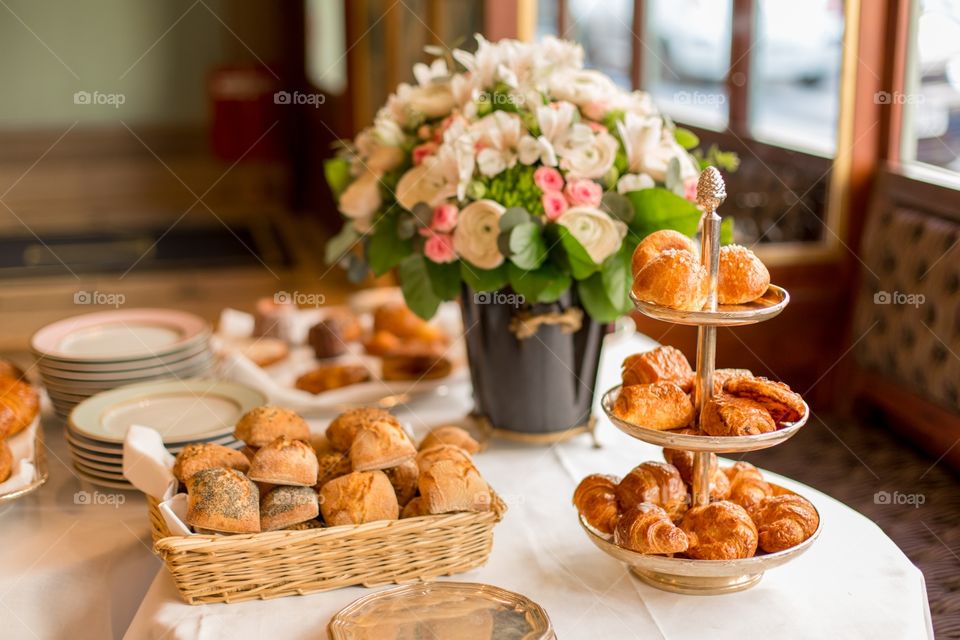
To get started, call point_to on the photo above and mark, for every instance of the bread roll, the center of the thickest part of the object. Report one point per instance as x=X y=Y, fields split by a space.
x=286 y=506
x=357 y=498
x=332 y=465
x=343 y=428
x=663 y=364
x=719 y=531
x=647 y=528
x=415 y=508
x=381 y=445
x=404 y=478
x=660 y=405
x=741 y=277
x=19 y=406
x=451 y=485
x=223 y=500
x=287 y=462
x=198 y=456
x=673 y=279
x=655 y=244
x=426 y=457
x=784 y=521
x=263 y=425
x=450 y=434
x=596 y=500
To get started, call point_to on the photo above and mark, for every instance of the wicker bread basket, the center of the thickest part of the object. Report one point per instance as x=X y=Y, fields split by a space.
x=275 y=564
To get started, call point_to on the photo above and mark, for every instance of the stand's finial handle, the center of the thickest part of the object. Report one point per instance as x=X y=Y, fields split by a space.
x=711 y=192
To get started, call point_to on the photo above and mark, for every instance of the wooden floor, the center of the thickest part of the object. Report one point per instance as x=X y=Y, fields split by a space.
x=855 y=460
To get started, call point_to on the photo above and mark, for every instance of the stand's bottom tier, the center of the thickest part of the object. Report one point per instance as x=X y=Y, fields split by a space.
x=697 y=585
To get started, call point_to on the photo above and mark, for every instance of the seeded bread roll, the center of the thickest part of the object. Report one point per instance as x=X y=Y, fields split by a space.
x=263 y=425
x=223 y=500
x=198 y=456
x=357 y=498
x=285 y=461
x=286 y=506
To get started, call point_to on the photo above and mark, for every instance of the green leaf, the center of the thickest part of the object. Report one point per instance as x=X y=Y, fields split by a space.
x=339 y=245
x=686 y=138
x=527 y=249
x=387 y=249
x=572 y=256
x=337 y=173
x=617 y=280
x=444 y=279
x=481 y=280
x=618 y=206
x=594 y=298
x=545 y=284
x=726 y=231
x=417 y=287
x=658 y=208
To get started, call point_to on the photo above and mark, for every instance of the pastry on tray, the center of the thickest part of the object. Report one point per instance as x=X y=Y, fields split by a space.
x=19 y=405
x=674 y=279
x=415 y=367
x=664 y=363
x=783 y=404
x=331 y=336
x=655 y=244
x=741 y=277
x=332 y=376
x=727 y=415
x=398 y=331
x=6 y=461
x=659 y=405
x=648 y=511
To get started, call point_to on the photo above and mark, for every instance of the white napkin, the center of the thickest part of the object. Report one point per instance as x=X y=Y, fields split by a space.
x=23 y=448
x=174 y=512
x=147 y=464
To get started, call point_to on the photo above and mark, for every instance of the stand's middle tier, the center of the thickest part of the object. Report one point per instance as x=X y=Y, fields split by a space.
x=763 y=308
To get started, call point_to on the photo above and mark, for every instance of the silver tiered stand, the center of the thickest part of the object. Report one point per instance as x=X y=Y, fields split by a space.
x=684 y=575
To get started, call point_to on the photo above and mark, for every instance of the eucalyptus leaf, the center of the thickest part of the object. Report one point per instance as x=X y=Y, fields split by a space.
x=481 y=280
x=357 y=269
x=339 y=245
x=512 y=217
x=527 y=249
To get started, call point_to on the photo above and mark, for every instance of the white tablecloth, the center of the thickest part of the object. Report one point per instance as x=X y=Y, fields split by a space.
x=78 y=571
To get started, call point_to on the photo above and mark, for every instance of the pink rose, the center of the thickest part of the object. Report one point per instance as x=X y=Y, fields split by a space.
x=421 y=151
x=595 y=110
x=583 y=193
x=439 y=248
x=690 y=189
x=444 y=218
x=554 y=204
x=596 y=127
x=548 y=179
x=424 y=132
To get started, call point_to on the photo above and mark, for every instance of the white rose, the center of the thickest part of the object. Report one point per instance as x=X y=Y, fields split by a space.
x=599 y=234
x=424 y=183
x=475 y=238
x=583 y=87
x=634 y=182
x=434 y=100
x=361 y=199
x=594 y=160
x=656 y=160
x=384 y=159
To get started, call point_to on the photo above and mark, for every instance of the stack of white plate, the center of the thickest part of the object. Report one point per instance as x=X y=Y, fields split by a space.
x=182 y=411
x=84 y=355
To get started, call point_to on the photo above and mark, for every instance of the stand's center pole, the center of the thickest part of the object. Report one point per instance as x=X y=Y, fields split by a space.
x=710 y=193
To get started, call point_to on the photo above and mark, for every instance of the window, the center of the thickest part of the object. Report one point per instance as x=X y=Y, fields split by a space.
x=931 y=96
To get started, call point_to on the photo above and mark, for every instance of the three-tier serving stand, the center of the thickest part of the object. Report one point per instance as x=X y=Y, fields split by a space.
x=684 y=575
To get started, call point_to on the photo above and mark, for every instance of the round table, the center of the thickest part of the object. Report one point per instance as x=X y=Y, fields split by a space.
x=79 y=565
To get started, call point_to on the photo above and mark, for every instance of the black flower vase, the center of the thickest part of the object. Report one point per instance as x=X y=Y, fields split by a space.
x=539 y=385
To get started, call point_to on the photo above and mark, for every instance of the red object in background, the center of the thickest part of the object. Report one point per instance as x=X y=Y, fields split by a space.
x=242 y=109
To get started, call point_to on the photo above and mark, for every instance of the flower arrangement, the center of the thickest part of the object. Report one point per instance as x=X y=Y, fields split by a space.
x=513 y=166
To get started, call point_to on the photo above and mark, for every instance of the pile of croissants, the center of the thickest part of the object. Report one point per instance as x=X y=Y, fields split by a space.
x=649 y=511
x=19 y=405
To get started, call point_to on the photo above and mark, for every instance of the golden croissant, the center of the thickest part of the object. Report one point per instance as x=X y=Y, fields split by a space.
x=719 y=531
x=747 y=486
x=648 y=529
x=658 y=483
x=596 y=500
x=784 y=521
